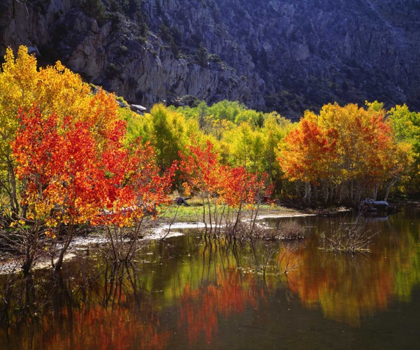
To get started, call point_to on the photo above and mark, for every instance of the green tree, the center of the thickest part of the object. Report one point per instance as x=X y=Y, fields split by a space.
x=202 y=56
x=166 y=129
x=93 y=8
x=407 y=129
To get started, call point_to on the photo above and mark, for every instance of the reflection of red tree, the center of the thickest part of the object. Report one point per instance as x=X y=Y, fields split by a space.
x=99 y=327
x=200 y=308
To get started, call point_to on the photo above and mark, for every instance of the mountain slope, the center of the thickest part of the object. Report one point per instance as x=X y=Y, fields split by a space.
x=279 y=55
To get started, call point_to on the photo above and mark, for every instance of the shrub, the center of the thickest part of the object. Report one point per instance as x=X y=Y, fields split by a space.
x=348 y=238
x=93 y=8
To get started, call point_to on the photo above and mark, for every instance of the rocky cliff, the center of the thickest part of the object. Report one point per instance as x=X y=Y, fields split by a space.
x=284 y=55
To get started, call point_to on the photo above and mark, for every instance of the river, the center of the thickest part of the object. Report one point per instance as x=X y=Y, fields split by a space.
x=192 y=293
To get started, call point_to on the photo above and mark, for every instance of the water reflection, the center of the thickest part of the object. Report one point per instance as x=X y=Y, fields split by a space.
x=103 y=309
x=201 y=308
x=181 y=293
x=348 y=287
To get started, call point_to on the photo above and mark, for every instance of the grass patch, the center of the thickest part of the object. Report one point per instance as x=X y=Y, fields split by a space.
x=194 y=213
x=183 y=213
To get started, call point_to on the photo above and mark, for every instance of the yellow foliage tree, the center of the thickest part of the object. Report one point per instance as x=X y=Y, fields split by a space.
x=54 y=89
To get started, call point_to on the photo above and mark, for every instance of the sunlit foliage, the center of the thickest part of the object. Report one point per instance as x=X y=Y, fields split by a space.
x=407 y=130
x=344 y=153
x=341 y=154
x=52 y=90
x=65 y=159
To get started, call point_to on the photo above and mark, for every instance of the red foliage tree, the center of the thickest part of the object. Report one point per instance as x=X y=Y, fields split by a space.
x=70 y=179
x=219 y=184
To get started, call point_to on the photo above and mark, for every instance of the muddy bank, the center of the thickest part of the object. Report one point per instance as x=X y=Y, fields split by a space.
x=80 y=246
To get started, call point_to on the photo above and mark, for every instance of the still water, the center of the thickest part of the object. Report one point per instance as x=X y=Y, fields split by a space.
x=187 y=293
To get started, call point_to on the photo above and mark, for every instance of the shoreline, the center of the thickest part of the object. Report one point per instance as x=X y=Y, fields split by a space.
x=95 y=241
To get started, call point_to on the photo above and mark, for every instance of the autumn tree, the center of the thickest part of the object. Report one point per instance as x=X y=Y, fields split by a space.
x=307 y=155
x=70 y=178
x=241 y=136
x=203 y=173
x=220 y=187
x=54 y=89
x=135 y=188
x=168 y=131
x=347 y=152
x=406 y=125
x=59 y=166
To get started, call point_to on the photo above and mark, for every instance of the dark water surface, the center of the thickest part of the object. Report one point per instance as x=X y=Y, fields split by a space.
x=189 y=294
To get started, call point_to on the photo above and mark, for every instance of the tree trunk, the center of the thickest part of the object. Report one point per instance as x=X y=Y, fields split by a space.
x=307 y=197
x=12 y=182
x=59 y=263
x=326 y=194
x=375 y=191
x=388 y=190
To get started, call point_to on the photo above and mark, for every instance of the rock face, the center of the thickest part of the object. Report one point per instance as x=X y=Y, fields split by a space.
x=283 y=55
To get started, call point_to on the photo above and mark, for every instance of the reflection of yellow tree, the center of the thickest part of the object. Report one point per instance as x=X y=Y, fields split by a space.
x=350 y=287
x=407 y=261
x=204 y=260
x=209 y=286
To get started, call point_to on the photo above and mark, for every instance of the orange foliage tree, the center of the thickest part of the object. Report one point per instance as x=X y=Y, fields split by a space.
x=309 y=154
x=344 y=153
